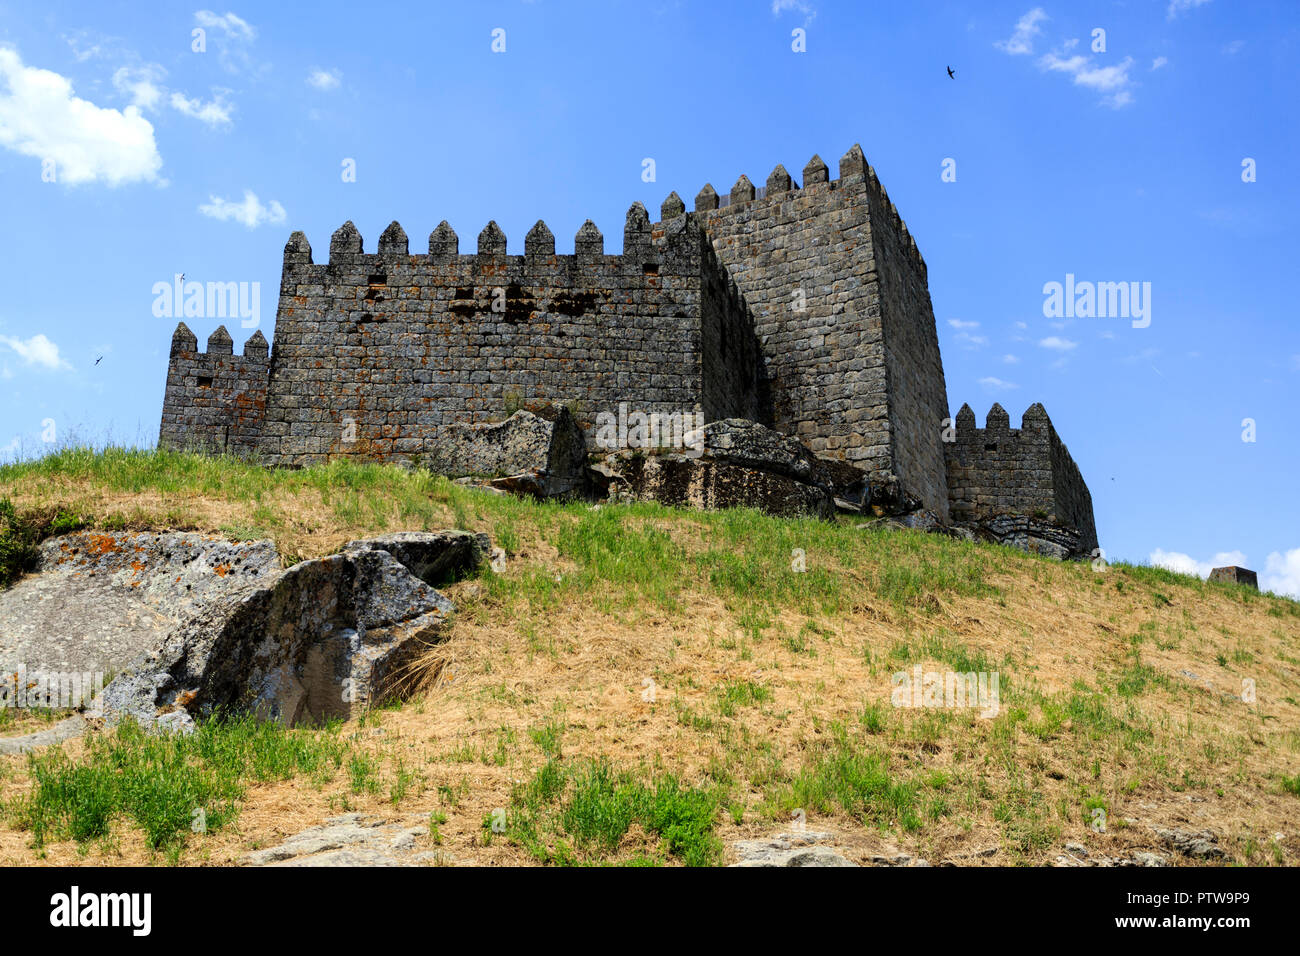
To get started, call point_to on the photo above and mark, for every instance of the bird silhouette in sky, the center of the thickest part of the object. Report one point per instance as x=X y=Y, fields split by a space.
x=98 y=360
x=951 y=74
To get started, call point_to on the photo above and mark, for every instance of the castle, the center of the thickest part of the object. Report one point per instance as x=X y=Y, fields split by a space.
x=805 y=308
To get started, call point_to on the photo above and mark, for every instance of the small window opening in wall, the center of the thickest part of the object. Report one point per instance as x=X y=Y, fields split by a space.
x=205 y=381
x=650 y=268
x=377 y=278
x=992 y=447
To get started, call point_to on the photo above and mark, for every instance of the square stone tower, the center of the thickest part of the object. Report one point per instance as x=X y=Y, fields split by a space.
x=841 y=307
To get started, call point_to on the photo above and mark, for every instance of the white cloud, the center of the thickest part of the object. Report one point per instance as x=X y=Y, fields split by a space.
x=215 y=112
x=38 y=350
x=1158 y=62
x=40 y=117
x=1011 y=359
x=1282 y=573
x=1057 y=343
x=1182 y=6
x=997 y=384
x=141 y=84
x=1233 y=48
x=1022 y=325
x=229 y=24
x=82 y=47
x=959 y=324
x=232 y=37
x=324 y=80
x=1112 y=81
x=1022 y=40
x=798 y=6
x=1186 y=564
x=250 y=212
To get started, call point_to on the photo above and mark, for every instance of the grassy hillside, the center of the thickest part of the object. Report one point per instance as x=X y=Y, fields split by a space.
x=643 y=684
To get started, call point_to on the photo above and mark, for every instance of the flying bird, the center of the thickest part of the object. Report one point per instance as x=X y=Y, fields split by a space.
x=98 y=360
x=951 y=74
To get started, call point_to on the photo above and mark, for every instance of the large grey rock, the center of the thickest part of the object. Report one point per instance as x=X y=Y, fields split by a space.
x=432 y=556
x=547 y=447
x=1032 y=535
x=322 y=639
x=889 y=498
x=788 y=849
x=98 y=599
x=703 y=483
x=66 y=729
x=1202 y=845
x=352 y=839
x=736 y=441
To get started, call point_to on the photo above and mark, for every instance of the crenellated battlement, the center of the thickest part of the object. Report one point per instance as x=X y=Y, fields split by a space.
x=220 y=345
x=854 y=171
x=215 y=400
x=998 y=470
x=642 y=245
x=998 y=423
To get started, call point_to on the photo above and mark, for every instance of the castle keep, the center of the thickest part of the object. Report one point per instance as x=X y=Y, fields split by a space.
x=803 y=307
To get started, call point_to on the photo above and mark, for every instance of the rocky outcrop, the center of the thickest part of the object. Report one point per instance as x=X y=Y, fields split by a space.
x=543 y=453
x=735 y=463
x=66 y=729
x=1031 y=535
x=319 y=640
x=1203 y=845
x=98 y=599
x=735 y=441
x=889 y=498
x=789 y=849
x=353 y=839
x=683 y=481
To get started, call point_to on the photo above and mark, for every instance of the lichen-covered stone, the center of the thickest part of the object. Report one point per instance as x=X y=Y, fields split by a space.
x=97 y=599
x=703 y=483
x=548 y=446
x=322 y=639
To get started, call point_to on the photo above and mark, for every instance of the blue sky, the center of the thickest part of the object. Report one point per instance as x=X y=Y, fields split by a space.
x=1114 y=164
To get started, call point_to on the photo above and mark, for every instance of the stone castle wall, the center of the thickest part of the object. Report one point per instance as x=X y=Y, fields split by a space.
x=215 y=400
x=376 y=352
x=998 y=470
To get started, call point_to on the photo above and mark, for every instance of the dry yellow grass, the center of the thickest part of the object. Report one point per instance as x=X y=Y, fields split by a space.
x=1121 y=689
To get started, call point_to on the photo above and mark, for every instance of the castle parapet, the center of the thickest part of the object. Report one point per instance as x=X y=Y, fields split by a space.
x=854 y=170
x=215 y=400
x=997 y=470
